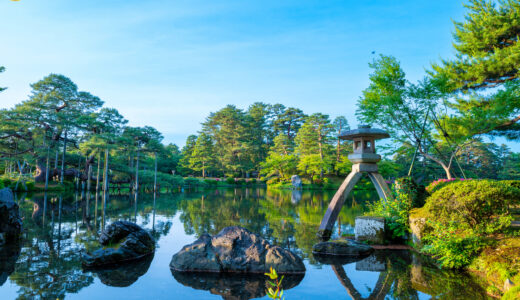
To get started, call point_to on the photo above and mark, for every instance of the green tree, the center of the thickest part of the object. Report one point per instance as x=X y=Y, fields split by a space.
x=413 y=113
x=186 y=153
x=286 y=120
x=487 y=56
x=203 y=155
x=313 y=139
x=228 y=129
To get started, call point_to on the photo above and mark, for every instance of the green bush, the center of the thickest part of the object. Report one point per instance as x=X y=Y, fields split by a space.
x=211 y=182
x=410 y=191
x=440 y=183
x=451 y=246
x=230 y=180
x=513 y=183
x=192 y=181
x=30 y=185
x=473 y=203
x=252 y=181
x=240 y=182
x=396 y=211
x=1 y=185
x=6 y=181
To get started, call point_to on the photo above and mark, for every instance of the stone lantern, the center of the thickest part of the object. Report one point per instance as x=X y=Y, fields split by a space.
x=364 y=160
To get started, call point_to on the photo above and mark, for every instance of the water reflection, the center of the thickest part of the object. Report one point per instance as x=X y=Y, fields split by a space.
x=403 y=274
x=125 y=275
x=57 y=227
x=8 y=257
x=233 y=286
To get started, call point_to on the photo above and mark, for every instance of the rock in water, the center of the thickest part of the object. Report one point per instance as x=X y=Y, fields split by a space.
x=123 y=241
x=296 y=182
x=342 y=248
x=10 y=221
x=235 y=249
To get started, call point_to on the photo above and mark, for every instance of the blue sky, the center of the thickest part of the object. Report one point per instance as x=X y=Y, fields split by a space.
x=169 y=64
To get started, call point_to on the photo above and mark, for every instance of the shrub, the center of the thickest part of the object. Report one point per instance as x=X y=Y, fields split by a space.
x=440 y=183
x=408 y=190
x=252 y=181
x=192 y=181
x=396 y=211
x=30 y=185
x=451 y=246
x=230 y=180
x=240 y=181
x=474 y=203
x=211 y=182
x=1 y=185
x=6 y=181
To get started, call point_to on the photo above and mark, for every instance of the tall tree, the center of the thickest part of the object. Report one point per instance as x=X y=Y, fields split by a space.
x=413 y=113
x=203 y=155
x=186 y=153
x=313 y=139
x=287 y=120
x=487 y=57
x=228 y=129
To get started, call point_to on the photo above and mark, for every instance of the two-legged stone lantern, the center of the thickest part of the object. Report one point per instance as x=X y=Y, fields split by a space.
x=365 y=161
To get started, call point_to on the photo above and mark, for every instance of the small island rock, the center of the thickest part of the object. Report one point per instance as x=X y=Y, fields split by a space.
x=235 y=249
x=123 y=241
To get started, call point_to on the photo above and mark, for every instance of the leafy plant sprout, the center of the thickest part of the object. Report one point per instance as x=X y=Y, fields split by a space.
x=275 y=290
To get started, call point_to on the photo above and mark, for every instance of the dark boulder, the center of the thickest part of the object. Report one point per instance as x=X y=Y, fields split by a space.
x=123 y=241
x=235 y=249
x=342 y=248
x=10 y=221
x=234 y=286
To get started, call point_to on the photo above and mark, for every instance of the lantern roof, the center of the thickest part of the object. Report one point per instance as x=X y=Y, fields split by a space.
x=364 y=131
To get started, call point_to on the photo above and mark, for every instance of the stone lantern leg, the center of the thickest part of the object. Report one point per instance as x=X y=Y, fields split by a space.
x=365 y=160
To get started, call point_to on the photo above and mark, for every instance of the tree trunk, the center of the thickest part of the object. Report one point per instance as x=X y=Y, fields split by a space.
x=63 y=157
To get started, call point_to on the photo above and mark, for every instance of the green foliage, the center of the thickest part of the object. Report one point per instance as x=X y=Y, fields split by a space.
x=486 y=45
x=440 y=183
x=193 y=182
x=203 y=155
x=452 y=247
x=211 y=182
x=408 y=190
x=487 y=50
x=230 y=180
x=279 y=165
x=410 y=112
x=476 y=204
x=396 y=210
x=465 y=214
x=275 y=290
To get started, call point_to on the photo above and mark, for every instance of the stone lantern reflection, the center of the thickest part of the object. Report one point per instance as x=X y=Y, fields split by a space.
x=364 y=160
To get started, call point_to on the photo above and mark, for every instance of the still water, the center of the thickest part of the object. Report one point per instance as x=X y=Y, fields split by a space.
x=57 y=228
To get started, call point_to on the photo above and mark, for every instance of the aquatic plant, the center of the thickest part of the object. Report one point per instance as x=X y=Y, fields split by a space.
x=275 y=290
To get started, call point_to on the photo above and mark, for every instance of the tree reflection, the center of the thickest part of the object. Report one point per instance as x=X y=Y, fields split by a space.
x=402 y=275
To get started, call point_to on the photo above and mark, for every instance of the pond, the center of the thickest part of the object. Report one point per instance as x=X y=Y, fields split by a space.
x=47 y=263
